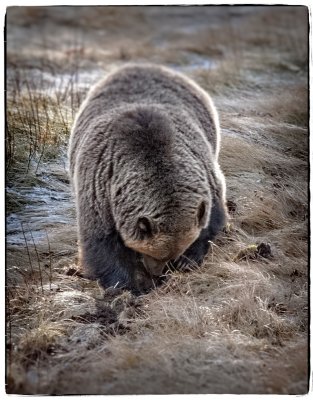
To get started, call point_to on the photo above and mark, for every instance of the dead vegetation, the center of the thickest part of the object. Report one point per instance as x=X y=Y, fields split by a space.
x=239 y=324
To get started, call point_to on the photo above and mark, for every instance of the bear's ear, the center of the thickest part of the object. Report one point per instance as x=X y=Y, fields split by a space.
x=146 y=227
x=202 y=214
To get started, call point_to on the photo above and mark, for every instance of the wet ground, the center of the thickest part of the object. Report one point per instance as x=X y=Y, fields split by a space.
x=49 y=204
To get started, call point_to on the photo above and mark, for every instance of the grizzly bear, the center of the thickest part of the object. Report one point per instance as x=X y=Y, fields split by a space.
x=144 y=169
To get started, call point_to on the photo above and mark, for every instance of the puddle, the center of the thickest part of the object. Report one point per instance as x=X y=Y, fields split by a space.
x=196 y=61
x=80 y=80
x=45 y=207
x=51 y=83
x=201 y=62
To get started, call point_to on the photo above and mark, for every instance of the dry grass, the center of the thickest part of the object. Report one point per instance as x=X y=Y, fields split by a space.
x=239 y=324
x=38 y=118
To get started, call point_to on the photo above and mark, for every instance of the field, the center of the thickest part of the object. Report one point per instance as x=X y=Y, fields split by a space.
x=238 y=324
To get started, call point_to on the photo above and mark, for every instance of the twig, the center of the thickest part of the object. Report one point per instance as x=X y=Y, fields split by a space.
x=50 y=260
x=40 y=272
x=28 y=253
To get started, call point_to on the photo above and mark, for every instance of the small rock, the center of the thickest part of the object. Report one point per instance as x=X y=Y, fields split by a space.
x=231 y=206
x=264 y=250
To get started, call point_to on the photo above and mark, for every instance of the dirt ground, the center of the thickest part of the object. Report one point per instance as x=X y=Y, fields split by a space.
x=238 y=324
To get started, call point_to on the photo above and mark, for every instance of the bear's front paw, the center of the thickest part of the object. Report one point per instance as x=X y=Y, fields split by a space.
x=145 y=282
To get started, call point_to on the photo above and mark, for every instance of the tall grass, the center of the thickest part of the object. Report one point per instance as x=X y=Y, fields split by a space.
x=41 y=104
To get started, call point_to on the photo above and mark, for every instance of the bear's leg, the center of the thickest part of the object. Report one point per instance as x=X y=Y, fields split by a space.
x=195 y=254
x=113 y=264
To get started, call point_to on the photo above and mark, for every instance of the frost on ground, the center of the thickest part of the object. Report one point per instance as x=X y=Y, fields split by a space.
x=239 y=324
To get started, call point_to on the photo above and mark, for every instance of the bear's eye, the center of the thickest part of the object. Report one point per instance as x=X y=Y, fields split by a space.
x=201 y=213
x=145 y=227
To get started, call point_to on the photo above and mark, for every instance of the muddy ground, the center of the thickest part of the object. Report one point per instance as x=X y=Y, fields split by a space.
x=239 y=324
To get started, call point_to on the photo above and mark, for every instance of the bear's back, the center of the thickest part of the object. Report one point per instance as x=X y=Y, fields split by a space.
x=155 y=86
x=141 y=95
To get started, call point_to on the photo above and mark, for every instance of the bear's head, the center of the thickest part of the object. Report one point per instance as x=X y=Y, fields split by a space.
x=167 y=235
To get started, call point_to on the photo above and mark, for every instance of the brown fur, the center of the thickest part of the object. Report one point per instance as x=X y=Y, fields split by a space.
x=144 y=147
